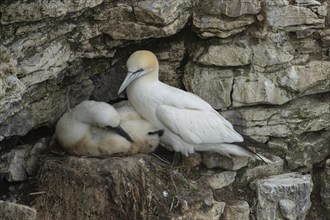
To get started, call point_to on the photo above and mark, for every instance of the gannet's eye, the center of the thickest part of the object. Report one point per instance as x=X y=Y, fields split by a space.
x=139 y=71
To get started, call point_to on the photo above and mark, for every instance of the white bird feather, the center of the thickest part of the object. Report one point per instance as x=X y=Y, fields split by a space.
x=190 y=123
x=83 y=130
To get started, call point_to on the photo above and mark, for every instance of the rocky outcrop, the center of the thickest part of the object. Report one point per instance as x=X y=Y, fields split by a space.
x=263 y=63
x=13 y=211
x=120 y=188
x=285 y=196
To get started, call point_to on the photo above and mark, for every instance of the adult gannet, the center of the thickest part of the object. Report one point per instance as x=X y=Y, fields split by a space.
x=190 y=123
x=93 y=129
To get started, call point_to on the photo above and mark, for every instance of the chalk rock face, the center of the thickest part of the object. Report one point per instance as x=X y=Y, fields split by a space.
x=285 y=196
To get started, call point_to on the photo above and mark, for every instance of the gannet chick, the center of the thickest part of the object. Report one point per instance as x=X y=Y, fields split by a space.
x=145 y=136
x=190 y=123
x=92 y=129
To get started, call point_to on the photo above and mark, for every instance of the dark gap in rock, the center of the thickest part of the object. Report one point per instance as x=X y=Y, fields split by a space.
x=30 y=138
x=317 y=210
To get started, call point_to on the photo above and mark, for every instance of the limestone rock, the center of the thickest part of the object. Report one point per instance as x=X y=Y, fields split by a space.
x=257 y=88
x=20 y=11
x=212 y=26
x=254 y=172
x=285 y=196
x=307 y=3
x=313 y=77
x=144 y=19
x=292 y=18
x=233 y=8
x=22 y=161
x=287 y=208
x=203 y=207
x=325 y=186
x=211 y=84
x=306 y=114
x=219 y=180
x=223 y=55
x=13 y=211
x=46 y=109
x=13 y=164
x=307 y=149
x=215 y=160
x=33 y=156
x=46 y=64
x=170 y=56
x=237 y=210
x=269 y=54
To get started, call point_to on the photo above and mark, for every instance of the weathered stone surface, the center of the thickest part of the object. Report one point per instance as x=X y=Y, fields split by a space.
x=22 y=161
x=267 y=54
x=46 y=64
x=307 y=149
x=203 y=207
x=307 y=3
x=170 y=56
x=313 y=77
x=285 y=196
x=211 y=84
x=233 y=8
x=257 y=88
x=254 y=172
x=214 y=160
x=219 y=180
x=237 y=210
x=33 y=156
x=47 y=108
x=287 y=208
x=20 y=11
x=13 y=211
x=292 y=18
x=211 y=26
x=144 y=19
x=223 y=55
x=13 y=164
x=325 y=186
x=306 y=114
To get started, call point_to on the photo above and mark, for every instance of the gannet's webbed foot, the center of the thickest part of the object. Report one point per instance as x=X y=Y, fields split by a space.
x=158 y=132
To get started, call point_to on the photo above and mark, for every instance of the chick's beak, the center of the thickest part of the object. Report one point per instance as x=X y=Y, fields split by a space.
x=120 y=131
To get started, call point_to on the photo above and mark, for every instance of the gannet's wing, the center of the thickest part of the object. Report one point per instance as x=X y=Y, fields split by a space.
x=198 y=126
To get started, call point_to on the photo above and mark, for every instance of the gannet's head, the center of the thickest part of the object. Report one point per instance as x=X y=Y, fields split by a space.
x=141 y=62
x=100 y=114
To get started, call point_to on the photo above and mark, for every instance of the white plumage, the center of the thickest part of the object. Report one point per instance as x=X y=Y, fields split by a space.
x=91 y=129
x=190 y=123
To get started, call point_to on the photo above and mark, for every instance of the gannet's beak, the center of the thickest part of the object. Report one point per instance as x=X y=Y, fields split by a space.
x=131 y=76
x=120 y=131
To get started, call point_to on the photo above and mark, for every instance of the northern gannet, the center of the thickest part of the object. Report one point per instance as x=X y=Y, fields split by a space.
x=190 y=123
x=93 y=129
